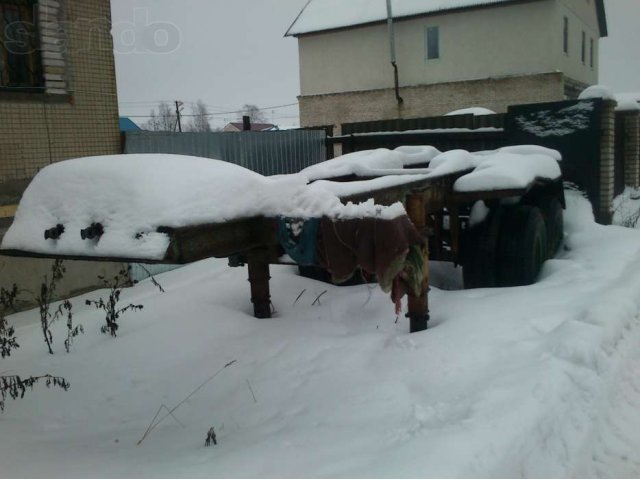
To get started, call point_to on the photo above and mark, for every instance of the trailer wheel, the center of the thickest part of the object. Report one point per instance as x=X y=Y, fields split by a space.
x=552 y=212
x=479 y=253
x=522 y=246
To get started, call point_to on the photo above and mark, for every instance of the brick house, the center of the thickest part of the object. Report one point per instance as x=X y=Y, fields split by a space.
x=58 y=100
x=449 y=54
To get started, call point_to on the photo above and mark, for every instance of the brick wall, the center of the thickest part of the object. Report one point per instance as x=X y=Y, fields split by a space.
x=429 y=100
x=78 y=113
x=607 y=163
x=573 y=88
x=632 y=149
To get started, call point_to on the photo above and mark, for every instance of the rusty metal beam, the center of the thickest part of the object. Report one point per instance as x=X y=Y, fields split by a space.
x=26 y=254
x=220 y=240
x=258 y=267
x=189 y=244
x=418 y=305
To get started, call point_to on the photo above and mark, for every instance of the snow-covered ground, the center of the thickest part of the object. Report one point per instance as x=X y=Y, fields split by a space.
x=530 y=381
x=626 y=208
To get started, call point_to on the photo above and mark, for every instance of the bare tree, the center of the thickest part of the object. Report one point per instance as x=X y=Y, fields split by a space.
x=164 y=121
x=256 y=115
x=200 y=119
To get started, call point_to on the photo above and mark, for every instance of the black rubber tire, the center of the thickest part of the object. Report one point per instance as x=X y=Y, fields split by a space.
x=522 y=246
x=552 y=213
x=479 y=253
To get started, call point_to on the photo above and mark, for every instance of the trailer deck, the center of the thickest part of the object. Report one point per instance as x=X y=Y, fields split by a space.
x=436 y=210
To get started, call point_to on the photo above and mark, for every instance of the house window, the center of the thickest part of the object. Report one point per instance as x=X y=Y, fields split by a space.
x=591 y=52
x=583 y=52
x=432 y=46
x=565 y=35
x=19 y=59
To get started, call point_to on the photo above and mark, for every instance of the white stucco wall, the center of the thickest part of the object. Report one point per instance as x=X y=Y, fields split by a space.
x=518 y=39
x=582 y=17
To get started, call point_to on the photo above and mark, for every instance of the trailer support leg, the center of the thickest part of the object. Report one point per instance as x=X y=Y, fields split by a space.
x=258 y=266
x=418 y=312
x=419 y=306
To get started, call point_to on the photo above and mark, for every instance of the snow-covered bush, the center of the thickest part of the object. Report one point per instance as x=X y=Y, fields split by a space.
x=14 y=386
x=44 y=300
x=626 y=208
x=7 y=332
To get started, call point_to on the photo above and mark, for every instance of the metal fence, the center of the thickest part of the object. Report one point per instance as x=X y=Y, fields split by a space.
x=468 y=121
x=268 y=153
x=139 y=272
x=573 y=128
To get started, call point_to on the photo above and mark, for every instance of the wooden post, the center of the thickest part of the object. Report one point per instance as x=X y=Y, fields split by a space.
x=258 y=266
x=419 y=306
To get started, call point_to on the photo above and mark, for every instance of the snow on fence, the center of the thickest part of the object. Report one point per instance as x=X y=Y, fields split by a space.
x=268 y=153
x=468 y=121
x=460 y=131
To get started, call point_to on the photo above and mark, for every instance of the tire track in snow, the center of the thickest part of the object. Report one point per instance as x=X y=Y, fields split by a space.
x=614 y=451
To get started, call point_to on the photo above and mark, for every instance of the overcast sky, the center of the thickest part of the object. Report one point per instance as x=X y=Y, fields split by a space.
x=232 y=52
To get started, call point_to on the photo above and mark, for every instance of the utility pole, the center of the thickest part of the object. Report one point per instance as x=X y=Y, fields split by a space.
x=178 y=115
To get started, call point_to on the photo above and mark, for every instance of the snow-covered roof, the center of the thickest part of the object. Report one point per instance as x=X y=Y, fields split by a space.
x=319 y=15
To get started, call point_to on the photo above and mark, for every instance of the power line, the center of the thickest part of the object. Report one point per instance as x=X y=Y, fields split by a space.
x=102 y=93
x=217 y=114
x=142 y=103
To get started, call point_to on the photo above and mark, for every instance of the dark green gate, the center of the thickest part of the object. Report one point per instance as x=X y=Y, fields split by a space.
x=572 y=128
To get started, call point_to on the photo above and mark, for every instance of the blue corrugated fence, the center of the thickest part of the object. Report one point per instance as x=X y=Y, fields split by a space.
x=268 y=153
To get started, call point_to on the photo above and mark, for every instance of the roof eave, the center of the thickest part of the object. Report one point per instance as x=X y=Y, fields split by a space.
x=406 y=17
x=600 y=11
x=287 y=34
x=602 y=18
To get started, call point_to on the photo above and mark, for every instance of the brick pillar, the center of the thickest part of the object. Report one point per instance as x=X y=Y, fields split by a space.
x=607 y=152
x=632 y=149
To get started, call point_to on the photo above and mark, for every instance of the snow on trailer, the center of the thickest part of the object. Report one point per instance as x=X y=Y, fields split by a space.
x=369 y=211
x=137 y=199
